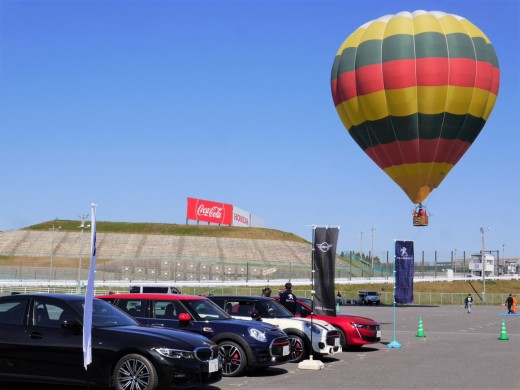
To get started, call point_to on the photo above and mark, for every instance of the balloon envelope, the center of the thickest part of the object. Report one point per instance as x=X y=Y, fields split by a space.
x=414 y=90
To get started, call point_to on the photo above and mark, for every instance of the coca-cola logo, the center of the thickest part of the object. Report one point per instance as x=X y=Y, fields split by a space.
x=213 y=212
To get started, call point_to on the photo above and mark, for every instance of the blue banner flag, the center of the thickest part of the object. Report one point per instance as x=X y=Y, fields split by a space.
x=89 y=296
x=404 y=269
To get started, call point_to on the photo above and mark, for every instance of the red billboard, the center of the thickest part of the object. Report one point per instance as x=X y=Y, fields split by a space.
x=209 y=211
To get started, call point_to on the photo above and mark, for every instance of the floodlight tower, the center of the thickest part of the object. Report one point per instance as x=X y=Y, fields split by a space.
x=82 y=226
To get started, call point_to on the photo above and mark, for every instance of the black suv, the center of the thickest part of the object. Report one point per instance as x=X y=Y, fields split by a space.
x=243 y=344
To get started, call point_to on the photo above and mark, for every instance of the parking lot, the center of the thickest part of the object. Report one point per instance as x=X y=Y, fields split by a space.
x=460 y=351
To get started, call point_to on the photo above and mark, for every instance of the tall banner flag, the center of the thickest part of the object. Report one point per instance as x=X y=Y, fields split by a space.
x=325 y=241
x=89 y=296
x=404 y=268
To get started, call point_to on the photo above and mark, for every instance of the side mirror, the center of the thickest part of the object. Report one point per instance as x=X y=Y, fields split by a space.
x=184 y=317
x=305 y=313
x=256 y=316
x=70 y=324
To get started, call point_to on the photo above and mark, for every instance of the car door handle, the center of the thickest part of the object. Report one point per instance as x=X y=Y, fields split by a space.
x=36 y=335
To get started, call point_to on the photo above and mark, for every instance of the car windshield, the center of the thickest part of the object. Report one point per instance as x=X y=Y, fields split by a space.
x=204 y=309
x=104 y=314
x=272 y=309
x=372 y=293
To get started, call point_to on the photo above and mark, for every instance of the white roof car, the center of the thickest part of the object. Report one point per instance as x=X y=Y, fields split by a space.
x=302 y=332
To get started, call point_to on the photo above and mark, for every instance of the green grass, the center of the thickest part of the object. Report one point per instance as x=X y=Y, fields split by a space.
x=173 y=229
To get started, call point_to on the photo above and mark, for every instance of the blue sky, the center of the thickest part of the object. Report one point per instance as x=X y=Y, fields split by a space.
x=137 y=105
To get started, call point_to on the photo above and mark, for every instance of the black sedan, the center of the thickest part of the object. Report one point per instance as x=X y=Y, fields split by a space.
x=41 y=340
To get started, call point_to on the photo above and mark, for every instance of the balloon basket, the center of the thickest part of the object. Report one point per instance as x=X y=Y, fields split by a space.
x=420 y=220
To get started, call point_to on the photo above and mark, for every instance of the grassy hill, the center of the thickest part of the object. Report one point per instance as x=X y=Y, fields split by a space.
x=173 y=229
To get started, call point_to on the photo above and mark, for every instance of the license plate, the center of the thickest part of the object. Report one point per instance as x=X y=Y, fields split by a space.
x=213 y=365
x=336 y=342
x=378 y=334
x=285 y=350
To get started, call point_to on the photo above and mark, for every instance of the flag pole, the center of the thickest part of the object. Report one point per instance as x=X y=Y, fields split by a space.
x=312 y=364
x=89 y=296
x=394 y=343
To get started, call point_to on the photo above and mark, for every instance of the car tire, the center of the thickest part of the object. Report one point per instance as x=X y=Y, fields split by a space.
x=342 y=338
x=135 y=371
x=234 y=359
x=297 y=350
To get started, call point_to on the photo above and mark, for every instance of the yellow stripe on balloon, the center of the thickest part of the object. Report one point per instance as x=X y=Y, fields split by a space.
x=373 y=31
x=473 y=31
x=409 y=101
x=431 y=100
x=352 y=41
x=418 y=180
x=426 y=23
x=399 y=25
x=489 y=106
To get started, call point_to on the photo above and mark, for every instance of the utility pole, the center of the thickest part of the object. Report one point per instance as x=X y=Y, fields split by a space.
x=372 y=233
x=483 y=257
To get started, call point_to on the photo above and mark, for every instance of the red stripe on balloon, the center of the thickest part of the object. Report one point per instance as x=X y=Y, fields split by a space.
x=425 y=72
x=418 y=151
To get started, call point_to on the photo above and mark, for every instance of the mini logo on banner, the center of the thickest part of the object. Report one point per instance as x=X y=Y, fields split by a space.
x=324 y=247
x=325 y=241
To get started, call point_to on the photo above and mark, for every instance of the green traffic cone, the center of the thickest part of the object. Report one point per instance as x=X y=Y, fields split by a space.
x=420 y=330
x=503 y=333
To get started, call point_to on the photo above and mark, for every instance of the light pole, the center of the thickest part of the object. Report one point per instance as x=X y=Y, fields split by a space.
x=52 y=229
x=503 y=258
x=455 y=261
x=372 y=234
x=361 y=246
x=483 y=257
x=82 y=226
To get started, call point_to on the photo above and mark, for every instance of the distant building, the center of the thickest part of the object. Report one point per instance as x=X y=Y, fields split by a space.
x=475 y=265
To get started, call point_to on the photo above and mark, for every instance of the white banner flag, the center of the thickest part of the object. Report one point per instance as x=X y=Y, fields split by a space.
x=89 y=296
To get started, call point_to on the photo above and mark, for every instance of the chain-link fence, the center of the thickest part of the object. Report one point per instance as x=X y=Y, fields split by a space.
x=163 y=268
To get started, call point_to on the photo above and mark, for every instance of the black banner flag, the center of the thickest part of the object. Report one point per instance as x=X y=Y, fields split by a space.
x=404 y=268
x=325 y=241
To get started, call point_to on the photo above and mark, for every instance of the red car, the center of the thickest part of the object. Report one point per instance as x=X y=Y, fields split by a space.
x=354 y=331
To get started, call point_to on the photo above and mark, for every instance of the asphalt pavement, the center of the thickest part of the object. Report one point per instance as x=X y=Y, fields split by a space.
x=460 y=350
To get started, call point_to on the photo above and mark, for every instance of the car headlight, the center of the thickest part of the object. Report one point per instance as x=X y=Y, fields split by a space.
x=313 y=328
x=175 y=353
x=257 y=334
x=359 y=325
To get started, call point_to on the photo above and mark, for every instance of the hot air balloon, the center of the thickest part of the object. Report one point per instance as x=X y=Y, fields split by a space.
x=414 y=90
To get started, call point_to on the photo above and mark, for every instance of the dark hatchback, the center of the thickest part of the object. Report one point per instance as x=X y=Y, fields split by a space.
x=41 y=340
x=243 y=344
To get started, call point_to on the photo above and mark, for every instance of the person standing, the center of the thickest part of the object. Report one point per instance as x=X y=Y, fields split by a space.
x=469 y=302
x=514 y=304
x=288 y=299
x=509 y=303
x=266 y=292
